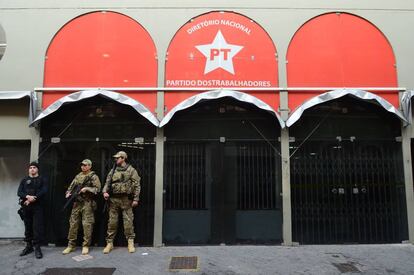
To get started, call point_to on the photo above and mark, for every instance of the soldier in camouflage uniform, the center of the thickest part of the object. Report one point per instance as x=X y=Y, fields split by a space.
x=122 y=188
x=83 y=207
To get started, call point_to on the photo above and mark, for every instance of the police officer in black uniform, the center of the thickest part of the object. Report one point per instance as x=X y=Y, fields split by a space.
x=32 y=192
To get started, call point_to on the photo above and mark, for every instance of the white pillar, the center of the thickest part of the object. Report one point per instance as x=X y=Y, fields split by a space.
x=159 y=174
x=408 y=179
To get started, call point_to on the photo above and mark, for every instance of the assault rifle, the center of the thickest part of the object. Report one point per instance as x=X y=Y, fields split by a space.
x=76 y=191
x=109 y=190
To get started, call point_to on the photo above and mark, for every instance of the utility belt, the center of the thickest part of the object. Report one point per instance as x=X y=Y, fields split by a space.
x=85 y=197
x=123 y=195
x=81 y=200
x=120 y=195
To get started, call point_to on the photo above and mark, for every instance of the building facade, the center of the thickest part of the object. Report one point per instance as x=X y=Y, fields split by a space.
x=253 y=123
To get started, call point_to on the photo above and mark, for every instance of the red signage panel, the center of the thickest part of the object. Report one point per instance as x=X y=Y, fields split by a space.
x=102 y=49
x=340 y=50
x=221 y=49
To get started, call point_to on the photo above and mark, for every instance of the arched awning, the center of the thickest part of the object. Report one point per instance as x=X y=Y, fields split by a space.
x=406 y=105
x=216 y=94
x=78 y=96
x=332 y=95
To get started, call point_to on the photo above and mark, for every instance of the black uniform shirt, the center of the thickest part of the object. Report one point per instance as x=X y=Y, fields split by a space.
x=36 y=186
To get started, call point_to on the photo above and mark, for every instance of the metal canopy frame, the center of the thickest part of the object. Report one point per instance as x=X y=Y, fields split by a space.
x=216 y=94
x=335 y=94
x=81 y=95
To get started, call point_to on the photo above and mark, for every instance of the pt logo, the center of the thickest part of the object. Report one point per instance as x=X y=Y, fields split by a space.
x=219 y=54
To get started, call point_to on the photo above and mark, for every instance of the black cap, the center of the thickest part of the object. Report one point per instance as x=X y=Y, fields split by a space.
x=34 y=163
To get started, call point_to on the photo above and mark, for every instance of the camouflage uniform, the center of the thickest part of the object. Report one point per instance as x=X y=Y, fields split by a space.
x=125 y=188
x=83 y=208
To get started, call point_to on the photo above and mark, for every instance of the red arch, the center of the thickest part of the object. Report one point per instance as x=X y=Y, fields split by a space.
x=102 y=49
x=256 y=61
x=340 y=50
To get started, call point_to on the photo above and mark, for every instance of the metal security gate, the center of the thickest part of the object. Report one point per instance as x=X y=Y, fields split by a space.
x=222 y=175
x=347 y=180
x=221 y=192
x=95 y=132
x=61 y=164
x=348 y=192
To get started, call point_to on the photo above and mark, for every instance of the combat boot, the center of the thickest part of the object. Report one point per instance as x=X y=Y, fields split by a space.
x=85 y=250
x=38 y=252
x=131 y=247
x=27 y=250
x=108 y=248
x=68 y=250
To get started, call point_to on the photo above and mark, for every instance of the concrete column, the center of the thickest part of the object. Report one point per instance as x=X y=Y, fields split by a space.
x=286 y=198
x=35 y=131
x=284 y=147
x=34 y=143
x=408 y=178
x=159 y=174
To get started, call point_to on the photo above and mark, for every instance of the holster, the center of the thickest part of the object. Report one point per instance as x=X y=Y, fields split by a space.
x=21 y=212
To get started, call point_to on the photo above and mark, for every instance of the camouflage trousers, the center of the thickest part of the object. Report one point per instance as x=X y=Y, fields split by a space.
x=82 y=211
x=115 y=206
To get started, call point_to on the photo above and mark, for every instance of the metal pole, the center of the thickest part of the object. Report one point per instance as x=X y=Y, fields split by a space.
x=186 y=89
x=408 y=178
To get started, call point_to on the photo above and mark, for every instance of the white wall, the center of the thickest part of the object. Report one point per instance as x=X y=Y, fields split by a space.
x=14 y=119
x=14 y=158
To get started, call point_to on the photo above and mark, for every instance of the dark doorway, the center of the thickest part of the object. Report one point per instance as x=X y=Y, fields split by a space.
x=96 y=128
x=222 y=175
x=347 y=177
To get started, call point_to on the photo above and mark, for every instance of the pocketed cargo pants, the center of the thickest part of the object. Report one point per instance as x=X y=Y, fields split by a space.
x=122 y=203
x=82 y=212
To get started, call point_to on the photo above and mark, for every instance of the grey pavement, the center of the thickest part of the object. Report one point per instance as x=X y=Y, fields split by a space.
x=306 y=259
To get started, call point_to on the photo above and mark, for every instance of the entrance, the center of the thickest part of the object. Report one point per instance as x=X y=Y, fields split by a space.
x=97 y=130
x=222 y=176
x=347 y=178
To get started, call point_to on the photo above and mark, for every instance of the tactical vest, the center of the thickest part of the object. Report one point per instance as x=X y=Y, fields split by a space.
x=87 y=195
x=121 y=183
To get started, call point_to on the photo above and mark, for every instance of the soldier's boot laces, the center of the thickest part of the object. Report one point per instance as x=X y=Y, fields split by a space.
x=108 y=248
x=38 y=252
x=27 y=250
x=85 y=250
x=131 y=247
x=68 y=250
